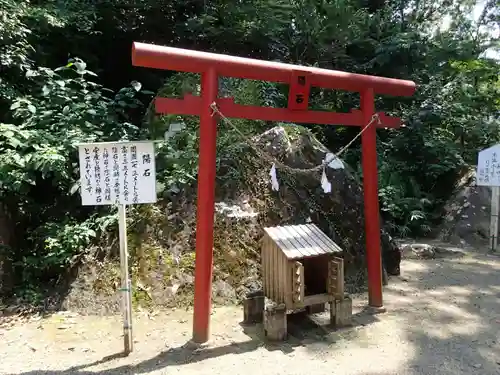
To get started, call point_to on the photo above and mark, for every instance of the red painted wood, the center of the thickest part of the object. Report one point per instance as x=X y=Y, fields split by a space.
x=191 y=105
x=205 y=209
x=184 y=60
x=372 y=212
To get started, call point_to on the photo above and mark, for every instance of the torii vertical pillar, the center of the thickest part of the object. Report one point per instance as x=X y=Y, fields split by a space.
x=372 y=213
x=205 y=208
x=300 y=79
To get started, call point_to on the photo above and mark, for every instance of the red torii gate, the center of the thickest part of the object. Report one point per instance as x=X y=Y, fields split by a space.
x=300 y=78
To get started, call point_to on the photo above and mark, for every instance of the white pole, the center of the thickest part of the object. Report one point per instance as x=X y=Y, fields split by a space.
x=495 y=195
x=126 y=285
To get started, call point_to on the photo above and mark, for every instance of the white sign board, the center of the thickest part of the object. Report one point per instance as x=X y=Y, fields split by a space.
x=117 y=173
x=488 y=167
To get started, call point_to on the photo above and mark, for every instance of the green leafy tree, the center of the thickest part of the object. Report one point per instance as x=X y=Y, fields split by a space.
x=45 y=112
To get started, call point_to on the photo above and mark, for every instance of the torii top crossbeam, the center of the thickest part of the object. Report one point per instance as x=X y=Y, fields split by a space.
x=182 y=60
x=300 y=80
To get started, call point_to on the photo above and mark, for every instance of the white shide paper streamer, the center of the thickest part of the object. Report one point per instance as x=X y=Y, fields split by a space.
x=330 y=159
x=274 y=180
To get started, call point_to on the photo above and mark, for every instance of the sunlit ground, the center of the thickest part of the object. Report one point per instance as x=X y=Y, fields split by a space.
x=443 y=318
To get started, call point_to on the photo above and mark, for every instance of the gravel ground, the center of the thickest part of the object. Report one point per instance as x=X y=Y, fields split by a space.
x=443 y=318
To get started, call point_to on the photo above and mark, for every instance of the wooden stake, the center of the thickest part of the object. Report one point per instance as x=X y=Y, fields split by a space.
x=495 y=195
x=126 y=286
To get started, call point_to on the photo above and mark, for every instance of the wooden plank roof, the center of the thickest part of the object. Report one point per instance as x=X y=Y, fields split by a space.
x=302 y=241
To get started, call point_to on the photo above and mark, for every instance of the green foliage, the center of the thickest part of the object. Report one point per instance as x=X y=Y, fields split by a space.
x=14 y=46
x=177 y=158
x=62 y=242
x=38 y=164
x=45 y=112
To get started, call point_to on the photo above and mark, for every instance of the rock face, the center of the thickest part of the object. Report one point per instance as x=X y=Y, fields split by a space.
x=245 y=205
x=467 y=214
x=301 y=199
x=429 y=251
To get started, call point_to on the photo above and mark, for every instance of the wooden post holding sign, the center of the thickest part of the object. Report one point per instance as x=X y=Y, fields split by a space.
x=495 y=190
x=121 y=173
x=488 y=174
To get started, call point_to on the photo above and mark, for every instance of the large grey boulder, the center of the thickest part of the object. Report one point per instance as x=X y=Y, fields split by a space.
x=467 y=214
x=301 y=198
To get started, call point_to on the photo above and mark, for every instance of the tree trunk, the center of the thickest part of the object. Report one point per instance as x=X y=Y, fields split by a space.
x=6 y=271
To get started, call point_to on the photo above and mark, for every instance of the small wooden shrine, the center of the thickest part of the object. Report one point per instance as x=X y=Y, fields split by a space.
x=301 y=269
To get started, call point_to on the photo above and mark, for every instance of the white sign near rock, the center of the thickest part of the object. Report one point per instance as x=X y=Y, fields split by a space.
x=117 y=173
x=121 y=173
x=488 y=174
x=488 y=167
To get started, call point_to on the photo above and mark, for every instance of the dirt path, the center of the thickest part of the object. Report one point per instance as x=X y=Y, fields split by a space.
x=443 y=318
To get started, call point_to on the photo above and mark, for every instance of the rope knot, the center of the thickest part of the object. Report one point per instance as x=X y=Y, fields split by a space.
x=214 y=109
x=376 y=117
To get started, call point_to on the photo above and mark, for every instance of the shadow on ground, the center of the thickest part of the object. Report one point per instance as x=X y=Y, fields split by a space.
x=449 y=310
x=302 y=329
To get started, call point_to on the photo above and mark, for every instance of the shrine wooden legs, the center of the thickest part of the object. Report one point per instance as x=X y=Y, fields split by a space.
x=341 y=312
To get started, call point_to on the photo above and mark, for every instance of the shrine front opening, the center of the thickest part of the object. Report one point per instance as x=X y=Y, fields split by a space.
x=300 y=79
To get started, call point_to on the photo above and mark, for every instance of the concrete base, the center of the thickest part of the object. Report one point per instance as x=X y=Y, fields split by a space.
x=341 y=312
x=275 y=326
x=191 y=345
x=374 y=310
x=253 y=308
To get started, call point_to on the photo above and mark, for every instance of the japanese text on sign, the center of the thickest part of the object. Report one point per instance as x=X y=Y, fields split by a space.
x=117 y=173
x=488 y=167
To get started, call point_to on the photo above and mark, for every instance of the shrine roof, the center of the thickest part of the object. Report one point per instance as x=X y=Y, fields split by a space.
x=302 y=241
